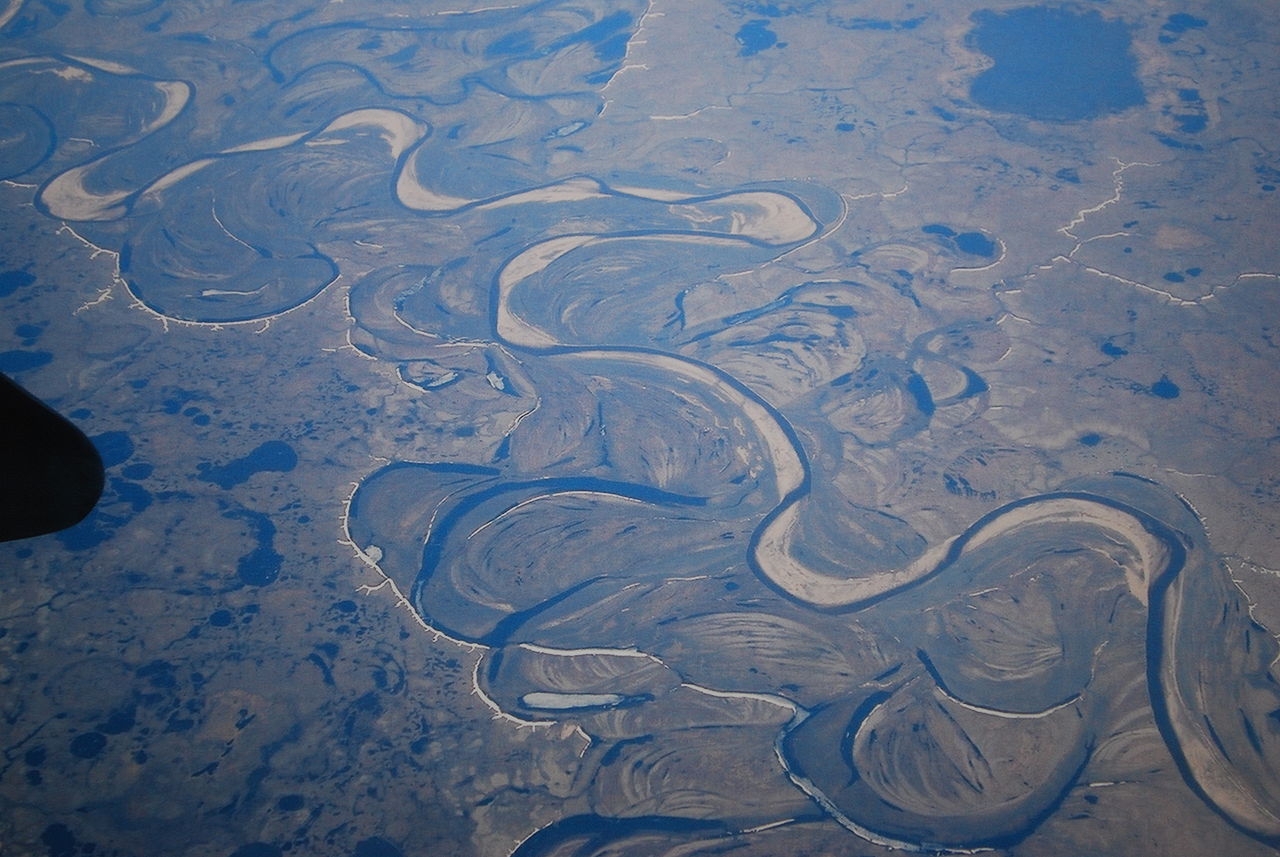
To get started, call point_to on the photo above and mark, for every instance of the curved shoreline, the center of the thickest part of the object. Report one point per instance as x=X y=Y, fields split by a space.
x=1160 y=549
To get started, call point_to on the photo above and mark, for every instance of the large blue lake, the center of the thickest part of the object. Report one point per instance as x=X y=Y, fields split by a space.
x=1055 y=64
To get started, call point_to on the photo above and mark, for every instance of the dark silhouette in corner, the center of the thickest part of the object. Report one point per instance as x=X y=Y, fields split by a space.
x=50 y=474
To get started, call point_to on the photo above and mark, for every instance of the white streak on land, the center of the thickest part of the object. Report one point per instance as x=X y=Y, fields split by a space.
x=174 y=176
x=371 y=558
x=1117 y=180
x=568 y=701
x=676 y=117
x=512 y=327
x=807 y=786
x=773 y=218
x=139 y=303
x=103 y=296
x=878 y=194
x=399 y=129
x=522 y=416
x=25 y=61
x=491 y=703
x=603 y=495
x=593 y=651
x=1004 y=252
x=787 y=465
x=212 y=293
x=768 y=825
x=66 y=196
x=636 y=39
x=177 y=94
x=1214 y=772
x=1167 y=295
x=1152 y=553
x=535 y=259
x=400 y=599
x=776 y=559
x=517 y=331
x=477 y=10
x=767 y=698
x=9 y=11
x=97 y=251
x=213 y=210
x=412 y=193
x=570 y=190
x=266 y=144
x=655 y=194
x=1007 y=715
x=108 y=66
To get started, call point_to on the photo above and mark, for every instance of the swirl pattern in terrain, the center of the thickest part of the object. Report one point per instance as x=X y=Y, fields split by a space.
x=760 y=477
x=965 y=732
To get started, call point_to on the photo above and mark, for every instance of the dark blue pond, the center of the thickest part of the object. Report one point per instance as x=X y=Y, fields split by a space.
x=11 y=281
x=273 y=456
x=754 y=37
x=1054 y=64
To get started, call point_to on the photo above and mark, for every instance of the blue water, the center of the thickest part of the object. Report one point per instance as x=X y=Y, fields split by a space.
x=273 y=456
x=755 y=36
x=976 y=244
x=11 y=281
x=115 y=447
x=1054 y=64
x=1181 y=22
x=12 y=362
x=973 y=243
x=595 y=830
x=122 y=498
x=1177 y=24
x=260 y=566
x=1165 y=389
